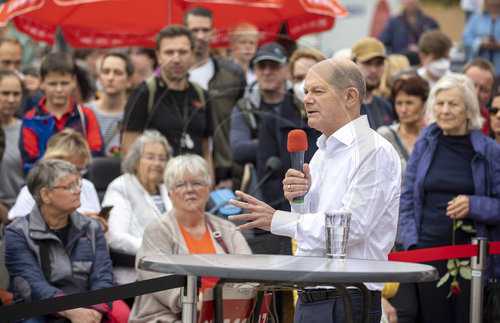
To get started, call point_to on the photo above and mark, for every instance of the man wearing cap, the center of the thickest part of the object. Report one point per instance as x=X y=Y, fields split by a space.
x=225 y=83
x=369 y=55
x=271 y=92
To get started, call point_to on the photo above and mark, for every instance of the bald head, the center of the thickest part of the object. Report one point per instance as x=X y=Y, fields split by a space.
x=341 y=73
x=334 y=91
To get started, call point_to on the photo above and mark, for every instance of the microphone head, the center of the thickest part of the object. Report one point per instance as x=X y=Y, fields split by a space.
x=297 y=140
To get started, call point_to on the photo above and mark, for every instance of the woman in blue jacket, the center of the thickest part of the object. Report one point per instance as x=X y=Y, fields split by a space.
x=54 y=250
x=454 y=171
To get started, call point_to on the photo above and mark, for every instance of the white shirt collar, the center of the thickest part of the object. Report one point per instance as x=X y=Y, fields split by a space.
x=345 y=135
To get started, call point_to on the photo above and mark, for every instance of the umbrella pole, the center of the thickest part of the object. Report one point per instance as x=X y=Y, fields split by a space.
x=60 y=43
x=169 y=13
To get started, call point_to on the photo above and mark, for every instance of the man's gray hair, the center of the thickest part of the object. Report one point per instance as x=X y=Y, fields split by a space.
x=181 y=165
x=469 y=98
x=47 y=173
x=348 y=75
x=131 y=160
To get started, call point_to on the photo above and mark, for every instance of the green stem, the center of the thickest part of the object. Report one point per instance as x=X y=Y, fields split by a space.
x=453 y=232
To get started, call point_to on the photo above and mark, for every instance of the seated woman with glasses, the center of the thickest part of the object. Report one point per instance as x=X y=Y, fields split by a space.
x=70 y=146
x=138 y=197
x=186 y=229
x=54 y=250
x=494 y=112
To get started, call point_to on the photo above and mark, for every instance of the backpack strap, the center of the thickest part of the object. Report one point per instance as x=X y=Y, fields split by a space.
x=82 y=119
x=201 y=94
x=113 y=134
x=151 y=86
x=406 y=156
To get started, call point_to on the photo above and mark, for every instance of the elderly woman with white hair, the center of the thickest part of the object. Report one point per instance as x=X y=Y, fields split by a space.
x=453 y=173
x=187 y=229
x=138 y=197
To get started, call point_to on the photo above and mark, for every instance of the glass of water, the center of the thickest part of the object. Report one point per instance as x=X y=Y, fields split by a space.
x=336 y=233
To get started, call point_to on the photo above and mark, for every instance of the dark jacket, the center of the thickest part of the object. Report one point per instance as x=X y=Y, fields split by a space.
x=41 y=267
x=225 y=88
x=484 y=204
x=273 y=138
x=398 y=33
x=2 y=141
x=245 y=124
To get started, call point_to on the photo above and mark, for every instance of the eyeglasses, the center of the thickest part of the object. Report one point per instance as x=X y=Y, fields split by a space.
x=194 y=184
x=493 y=111
x=151 y=158
x=71 y=187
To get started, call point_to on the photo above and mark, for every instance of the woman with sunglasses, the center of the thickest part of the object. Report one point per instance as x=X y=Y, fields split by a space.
x=494 y=112
x=70 y=146
x=55 y=250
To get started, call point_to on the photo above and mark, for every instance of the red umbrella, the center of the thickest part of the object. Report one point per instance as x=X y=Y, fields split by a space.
x=118 y=23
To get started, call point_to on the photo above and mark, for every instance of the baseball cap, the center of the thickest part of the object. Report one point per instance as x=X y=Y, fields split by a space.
x=272 y=52
x=368 y=48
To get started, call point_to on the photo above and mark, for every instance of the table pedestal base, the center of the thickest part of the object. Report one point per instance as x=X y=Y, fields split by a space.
x=189 y=298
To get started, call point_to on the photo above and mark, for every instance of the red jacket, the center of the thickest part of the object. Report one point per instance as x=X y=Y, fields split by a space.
x=39 y=125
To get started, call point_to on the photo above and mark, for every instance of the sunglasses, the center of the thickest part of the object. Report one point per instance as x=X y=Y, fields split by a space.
x=493 y=111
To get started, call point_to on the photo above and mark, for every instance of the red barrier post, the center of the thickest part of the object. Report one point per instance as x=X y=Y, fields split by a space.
x=478 y=265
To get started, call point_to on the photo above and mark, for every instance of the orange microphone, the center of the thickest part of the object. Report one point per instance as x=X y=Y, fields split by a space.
x=297 y=145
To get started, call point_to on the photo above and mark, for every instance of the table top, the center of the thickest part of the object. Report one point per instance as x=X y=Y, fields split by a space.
x=289 y=268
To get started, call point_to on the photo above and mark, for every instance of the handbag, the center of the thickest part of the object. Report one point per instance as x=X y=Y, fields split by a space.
x=491 y=305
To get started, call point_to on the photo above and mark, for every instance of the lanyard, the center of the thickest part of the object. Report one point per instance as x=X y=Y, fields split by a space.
x=182 y=115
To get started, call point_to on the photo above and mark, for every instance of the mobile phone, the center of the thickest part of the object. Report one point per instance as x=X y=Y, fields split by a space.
x=104 y=213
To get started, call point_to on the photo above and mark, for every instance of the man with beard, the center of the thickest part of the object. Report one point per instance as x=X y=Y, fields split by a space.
x=369 y=55
x=225 y=83
x=170 y=103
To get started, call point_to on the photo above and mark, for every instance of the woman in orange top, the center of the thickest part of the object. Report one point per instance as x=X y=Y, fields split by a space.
x=187 y=229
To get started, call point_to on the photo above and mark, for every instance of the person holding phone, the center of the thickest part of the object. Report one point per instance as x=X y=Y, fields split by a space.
x=138 y=197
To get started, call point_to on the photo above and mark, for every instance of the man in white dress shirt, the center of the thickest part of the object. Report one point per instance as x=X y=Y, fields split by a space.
x=354 y=169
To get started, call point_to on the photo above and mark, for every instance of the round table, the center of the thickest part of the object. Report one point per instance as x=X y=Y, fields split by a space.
x=300 y=271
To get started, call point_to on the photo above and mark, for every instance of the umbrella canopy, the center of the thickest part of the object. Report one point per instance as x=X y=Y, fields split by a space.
x=118 y=23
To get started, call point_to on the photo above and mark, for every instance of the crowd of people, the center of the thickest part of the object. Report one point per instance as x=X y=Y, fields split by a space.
x=186 y=121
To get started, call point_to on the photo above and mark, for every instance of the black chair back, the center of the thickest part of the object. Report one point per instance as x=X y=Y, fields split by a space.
x=103 y=171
